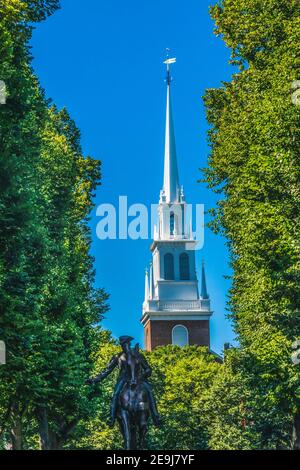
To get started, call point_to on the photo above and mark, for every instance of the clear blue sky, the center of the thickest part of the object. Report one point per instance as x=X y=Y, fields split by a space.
x=103 y=61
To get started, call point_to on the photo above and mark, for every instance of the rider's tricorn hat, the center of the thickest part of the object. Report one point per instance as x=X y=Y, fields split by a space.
x=125 y=339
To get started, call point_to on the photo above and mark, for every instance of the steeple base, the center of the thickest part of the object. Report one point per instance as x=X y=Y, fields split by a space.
x=163 y=332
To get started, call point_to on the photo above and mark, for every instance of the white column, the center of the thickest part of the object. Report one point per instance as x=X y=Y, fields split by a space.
x=146 y=286
x=151 y=282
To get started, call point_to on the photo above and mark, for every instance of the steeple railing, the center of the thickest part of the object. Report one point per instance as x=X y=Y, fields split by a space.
x=177 y=305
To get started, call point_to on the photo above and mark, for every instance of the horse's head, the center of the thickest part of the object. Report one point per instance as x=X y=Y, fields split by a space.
x=134 y=364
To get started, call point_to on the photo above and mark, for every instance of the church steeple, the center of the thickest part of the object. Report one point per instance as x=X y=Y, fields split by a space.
x=174 y=312
x=171 y=187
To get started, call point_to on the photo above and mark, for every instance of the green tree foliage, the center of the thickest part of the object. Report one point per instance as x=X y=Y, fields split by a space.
x=47 y=299
x=250 y=401
x=92 y=432
x=254 y=163
x=182 y=379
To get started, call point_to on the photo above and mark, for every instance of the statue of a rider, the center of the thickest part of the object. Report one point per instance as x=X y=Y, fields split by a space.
x=120 y=360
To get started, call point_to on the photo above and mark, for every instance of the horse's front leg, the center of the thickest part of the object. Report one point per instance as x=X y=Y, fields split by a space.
x=124 y=415
x=143 y=428
x=133 y=429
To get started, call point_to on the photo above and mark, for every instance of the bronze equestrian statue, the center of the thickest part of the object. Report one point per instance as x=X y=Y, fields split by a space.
x=133 y=400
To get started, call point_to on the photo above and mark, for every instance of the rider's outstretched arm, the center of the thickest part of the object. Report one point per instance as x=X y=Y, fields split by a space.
x=111 y=366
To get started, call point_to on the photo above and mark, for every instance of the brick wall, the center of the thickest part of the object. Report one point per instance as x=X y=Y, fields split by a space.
x=159 y=332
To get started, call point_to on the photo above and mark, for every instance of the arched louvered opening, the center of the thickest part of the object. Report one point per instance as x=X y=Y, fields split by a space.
x=172 y=223
x=184 y=267
x=169 y=267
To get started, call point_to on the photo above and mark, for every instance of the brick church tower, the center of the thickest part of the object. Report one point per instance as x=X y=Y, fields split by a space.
x=174 y=312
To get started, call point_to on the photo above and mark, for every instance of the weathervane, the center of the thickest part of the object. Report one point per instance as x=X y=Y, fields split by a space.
x=168 y=61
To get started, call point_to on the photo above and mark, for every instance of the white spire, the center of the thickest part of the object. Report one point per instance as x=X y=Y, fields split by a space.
x=171 y=186
x=204 y=294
